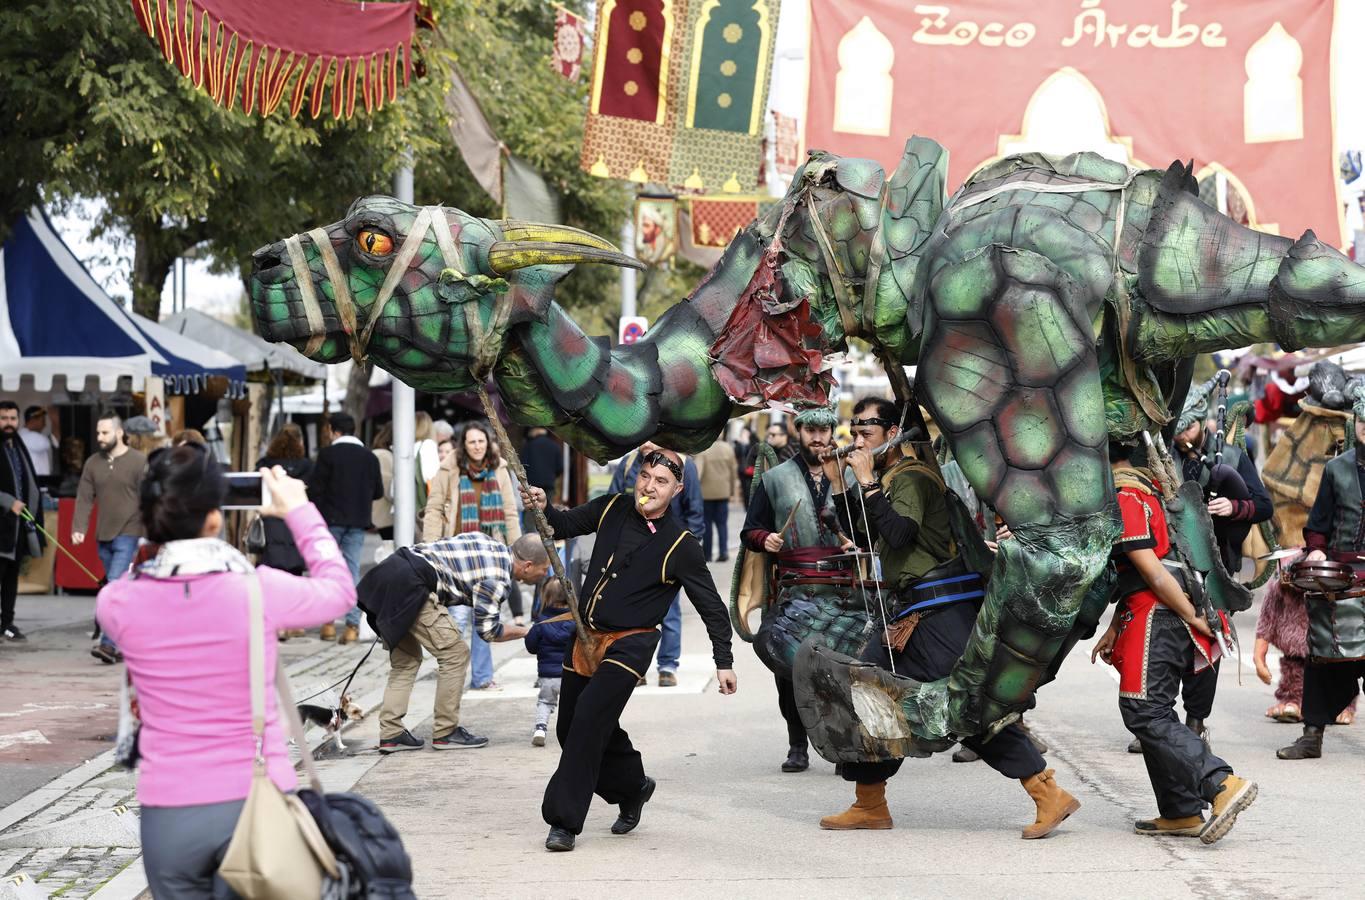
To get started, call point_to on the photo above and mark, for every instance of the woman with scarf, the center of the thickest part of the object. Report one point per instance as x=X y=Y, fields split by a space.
x=473 y=491
x=182 y=621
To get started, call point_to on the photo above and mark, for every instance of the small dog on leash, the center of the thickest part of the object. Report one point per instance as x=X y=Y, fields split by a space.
x=331 y=713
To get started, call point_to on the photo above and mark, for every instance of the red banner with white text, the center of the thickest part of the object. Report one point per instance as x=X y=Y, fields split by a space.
x=1242 y=87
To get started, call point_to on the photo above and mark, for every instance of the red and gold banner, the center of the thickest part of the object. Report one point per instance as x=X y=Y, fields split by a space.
x=318 y=53
x=714 y=220
x=679 y=92
x=567 y=57
x=1244 y=87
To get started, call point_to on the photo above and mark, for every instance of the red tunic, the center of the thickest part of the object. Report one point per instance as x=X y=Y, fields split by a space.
x=1144 y=528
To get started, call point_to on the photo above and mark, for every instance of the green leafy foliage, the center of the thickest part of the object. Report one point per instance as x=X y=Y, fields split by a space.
x=92 y=109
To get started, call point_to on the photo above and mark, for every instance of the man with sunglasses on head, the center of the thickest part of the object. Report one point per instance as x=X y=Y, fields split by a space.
x=790 y=519
x=641 y=556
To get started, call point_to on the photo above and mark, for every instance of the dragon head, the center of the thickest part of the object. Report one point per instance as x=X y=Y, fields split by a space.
x=427 y=293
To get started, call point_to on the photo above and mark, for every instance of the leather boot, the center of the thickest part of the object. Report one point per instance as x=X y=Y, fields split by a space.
x=1308 y=746
x=328 y=632
x=1054 y=804
x=1234 y=795
x=868 y=811
x=1200 y=729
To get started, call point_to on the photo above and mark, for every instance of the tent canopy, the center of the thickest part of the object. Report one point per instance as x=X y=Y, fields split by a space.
x=55 y=320
x=255 y=352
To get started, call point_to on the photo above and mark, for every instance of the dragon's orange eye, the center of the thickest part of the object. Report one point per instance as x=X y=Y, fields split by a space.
x=375 y=243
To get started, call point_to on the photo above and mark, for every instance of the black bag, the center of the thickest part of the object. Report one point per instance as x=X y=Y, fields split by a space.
x=367 y=846
x=255 y=536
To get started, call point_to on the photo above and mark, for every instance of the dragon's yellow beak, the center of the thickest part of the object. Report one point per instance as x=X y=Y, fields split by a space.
x=532 y=244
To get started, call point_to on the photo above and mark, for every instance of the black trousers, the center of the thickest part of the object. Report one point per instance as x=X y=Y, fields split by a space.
x=9 y=590
x=934 y=646
x=596 y=755
x=786 y=702
x=1197 y=690
x=1328 y=688
x=1183 y=772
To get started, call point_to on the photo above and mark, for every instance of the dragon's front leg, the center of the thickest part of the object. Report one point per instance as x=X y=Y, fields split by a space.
x=1010 y=374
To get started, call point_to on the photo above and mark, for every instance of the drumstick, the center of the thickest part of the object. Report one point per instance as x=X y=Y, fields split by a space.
x=791 y=518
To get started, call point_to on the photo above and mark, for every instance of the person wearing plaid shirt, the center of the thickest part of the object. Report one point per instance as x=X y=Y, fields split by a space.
x=407 y=599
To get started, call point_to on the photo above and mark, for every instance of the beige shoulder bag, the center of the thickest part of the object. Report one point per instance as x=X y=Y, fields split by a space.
x=277 y=851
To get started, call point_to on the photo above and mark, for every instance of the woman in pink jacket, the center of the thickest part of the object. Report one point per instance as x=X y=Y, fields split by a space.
x=181 y=621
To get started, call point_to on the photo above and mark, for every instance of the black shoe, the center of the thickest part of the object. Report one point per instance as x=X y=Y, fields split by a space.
x=630 y=812
x=458 y=739
x=560 y=840
x=722 y=558
x=1200 y=730
x=797 y=760
x=1135 y=746
x=106 y=653
x=1308 y=746
x=965 y=754
x=404 y=741
x=14 y=634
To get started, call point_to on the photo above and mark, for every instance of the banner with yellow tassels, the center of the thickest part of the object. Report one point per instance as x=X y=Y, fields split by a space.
x=317 y=53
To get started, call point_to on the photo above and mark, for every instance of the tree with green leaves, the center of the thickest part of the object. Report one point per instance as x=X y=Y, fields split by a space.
x=92 y=109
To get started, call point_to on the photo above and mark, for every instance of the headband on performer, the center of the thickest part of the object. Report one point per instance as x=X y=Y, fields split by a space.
x=659 y=458
x=883 y=423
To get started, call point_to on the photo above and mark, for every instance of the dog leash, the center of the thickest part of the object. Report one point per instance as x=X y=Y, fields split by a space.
x=348 y=679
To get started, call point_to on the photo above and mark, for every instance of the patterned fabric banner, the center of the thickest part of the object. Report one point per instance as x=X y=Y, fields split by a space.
x=679 y=91
x=714 y=220
x=567 y=57
x=786 y=144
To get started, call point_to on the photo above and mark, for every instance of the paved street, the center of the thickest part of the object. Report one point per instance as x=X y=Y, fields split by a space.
x=724 y=819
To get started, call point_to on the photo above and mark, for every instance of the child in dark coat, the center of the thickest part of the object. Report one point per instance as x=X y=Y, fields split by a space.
x=548 y=641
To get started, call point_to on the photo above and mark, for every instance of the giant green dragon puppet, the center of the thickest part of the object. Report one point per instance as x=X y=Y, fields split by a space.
x=1049 y=305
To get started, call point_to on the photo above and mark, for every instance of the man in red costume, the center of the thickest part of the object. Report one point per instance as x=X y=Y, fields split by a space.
x=1155 y=637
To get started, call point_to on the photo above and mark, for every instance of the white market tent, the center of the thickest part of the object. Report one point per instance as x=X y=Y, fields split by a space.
x=255 y=352
x=56 y=321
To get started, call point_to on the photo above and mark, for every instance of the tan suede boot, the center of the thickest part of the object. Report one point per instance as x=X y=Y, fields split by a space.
x=1054 y=804
x=328 y=632
x=868 y=811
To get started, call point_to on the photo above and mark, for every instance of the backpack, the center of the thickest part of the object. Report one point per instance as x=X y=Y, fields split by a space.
x=368 y=849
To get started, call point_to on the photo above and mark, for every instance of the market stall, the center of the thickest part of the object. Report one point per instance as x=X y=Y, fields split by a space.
x=66 y=345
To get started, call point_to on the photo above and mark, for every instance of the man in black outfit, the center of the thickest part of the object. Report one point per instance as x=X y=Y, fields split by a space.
x=639 y=559
x=1232 y=520
x=543 y=458
x=344 y=485
x=18 y=493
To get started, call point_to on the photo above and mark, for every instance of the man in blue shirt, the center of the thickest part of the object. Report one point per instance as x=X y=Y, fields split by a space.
x=688 y=510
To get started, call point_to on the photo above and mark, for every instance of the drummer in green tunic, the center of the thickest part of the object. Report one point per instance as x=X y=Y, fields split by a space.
x=1336 y=625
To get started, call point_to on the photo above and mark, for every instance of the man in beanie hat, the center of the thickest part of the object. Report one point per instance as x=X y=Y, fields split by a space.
x=791 y=519
x=1237 y=500
x=1336 y=639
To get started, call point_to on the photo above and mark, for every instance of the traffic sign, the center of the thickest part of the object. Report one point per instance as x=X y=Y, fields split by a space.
x=632 y=329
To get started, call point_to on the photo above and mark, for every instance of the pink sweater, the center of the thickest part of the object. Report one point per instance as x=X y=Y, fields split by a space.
x=185 y=643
